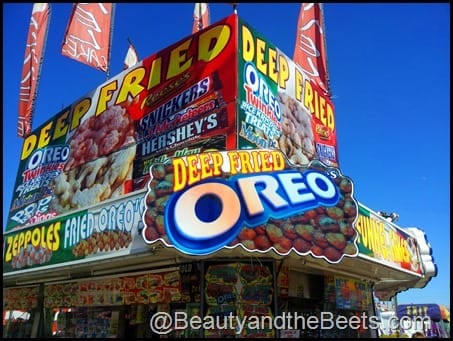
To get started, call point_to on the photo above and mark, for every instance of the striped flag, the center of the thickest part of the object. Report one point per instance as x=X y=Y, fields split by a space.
x=131 y=57
x=310 y=49
x=88 y=34
x=34 y=53
x=201 y=17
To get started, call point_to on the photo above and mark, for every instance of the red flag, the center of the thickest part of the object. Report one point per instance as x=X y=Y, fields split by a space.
x=34 y=53
x=131 y=57
x=88 y=34
x=310 y=50
x=201 y=17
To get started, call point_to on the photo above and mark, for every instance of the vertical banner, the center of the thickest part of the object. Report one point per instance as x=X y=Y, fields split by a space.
x=201 y=17
x=311 y=56
x=310 y=49
x=34 y=53
x=87 y=37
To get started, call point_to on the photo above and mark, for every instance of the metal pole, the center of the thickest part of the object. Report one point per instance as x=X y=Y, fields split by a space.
x=321 y=7
x=200 y=20
x=111 y=40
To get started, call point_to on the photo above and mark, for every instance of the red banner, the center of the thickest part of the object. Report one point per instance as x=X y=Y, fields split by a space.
x=200 y=16
x=87 y=37
x=309 y=50
x=34 y=49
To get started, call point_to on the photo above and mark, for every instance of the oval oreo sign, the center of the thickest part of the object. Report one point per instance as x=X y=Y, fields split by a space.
x=202 y=203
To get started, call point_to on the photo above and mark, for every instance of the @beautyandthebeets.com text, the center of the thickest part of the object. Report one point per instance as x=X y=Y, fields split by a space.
x=163 y=323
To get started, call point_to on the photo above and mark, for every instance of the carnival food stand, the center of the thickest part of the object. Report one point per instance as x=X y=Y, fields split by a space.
x=202 y=180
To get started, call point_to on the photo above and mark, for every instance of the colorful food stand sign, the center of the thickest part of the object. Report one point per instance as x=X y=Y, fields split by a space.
x=176 y=101
x=381 y=240
x=223 y=88
x=252 y=198
x=104 y=230
x=279 y=106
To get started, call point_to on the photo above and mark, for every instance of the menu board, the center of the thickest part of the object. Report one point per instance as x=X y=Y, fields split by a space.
x=240 y=289
x=352 y=294
x=162 y=287
x=25 y=298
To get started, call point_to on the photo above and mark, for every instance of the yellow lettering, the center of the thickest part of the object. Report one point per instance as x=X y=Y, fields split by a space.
x=179 y=61
x=192 y=166
x=211 y=164
x=246 y=166
x=131 y=85
x=330 y=118
x=319 y=106
x=29 y=145
x=105 y=95
x=255 y=161
x=248 y=47
x=16 y=245
x=212 y=42
x=179 y=174
x=49 y=237
x=35 y=237
x=261 y=64
x=405 y=250
x=8 y=253
x=283 y=73
x=43 y=240
x=309 y=97
x=27 y=237
x=20 y=243
x=265 y=58
x=358 y=226
x=205 y=167
x=80 y=109
x=363 y=230
x=61 y=126
x=278 y=160
x=217 y=162
x=234 y=162
x=395 y=251
x=155 y=74
x=56 y=236
x=44 y=136
x=371 y=236
x=273 y=70
x=266 y=164
x=299 y=88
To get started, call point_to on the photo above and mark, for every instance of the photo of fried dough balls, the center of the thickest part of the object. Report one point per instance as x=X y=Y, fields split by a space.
x=297 y=139
x=100 y=135
x=93 y=182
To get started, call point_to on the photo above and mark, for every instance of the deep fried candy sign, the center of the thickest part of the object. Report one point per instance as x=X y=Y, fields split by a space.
x=254 y=199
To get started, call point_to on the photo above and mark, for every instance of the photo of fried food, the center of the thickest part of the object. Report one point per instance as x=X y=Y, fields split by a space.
x=297 y=139
x=100 y=163
x=100 y=136
x=93 y=182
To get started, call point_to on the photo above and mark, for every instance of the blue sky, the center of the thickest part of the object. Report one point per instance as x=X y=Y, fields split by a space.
x=389 y=70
